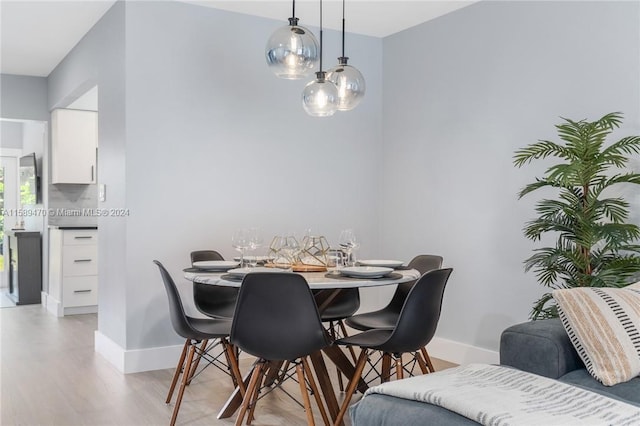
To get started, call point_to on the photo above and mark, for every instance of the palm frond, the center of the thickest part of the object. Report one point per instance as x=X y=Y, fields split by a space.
x=539 y=183
x=541 y=311
x=625 y=146
x=618 y=235
x=541 y=149
x=614 y=209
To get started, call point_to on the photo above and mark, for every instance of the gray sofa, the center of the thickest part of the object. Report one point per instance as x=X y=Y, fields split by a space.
x=543 y=347
x=540 y=347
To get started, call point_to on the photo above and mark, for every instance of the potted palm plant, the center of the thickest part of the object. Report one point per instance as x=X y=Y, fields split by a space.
x=594 y=246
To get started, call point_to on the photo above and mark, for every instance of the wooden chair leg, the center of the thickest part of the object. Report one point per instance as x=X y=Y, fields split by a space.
x=233 y=365
x=251 y=387
x=421 y=363
x=427 y=359
x=179 y=368
x=316 y=392
x=386 y=367
x=203 y=348
x=333 y=335
x=185 y=378
x=228 y=356
x=256 y=393
x=305 y=394
x=399 y=367
x=353 y=383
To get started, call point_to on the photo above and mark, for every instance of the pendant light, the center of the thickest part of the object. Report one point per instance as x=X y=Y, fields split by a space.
x=292 y=50
x=348 y=79
x=320 y=97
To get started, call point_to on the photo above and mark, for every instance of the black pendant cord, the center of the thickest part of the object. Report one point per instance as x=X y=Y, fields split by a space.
x=343 y=28
x=293 y=21
x=321 y=36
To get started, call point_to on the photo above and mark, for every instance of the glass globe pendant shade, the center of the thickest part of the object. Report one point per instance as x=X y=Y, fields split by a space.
x=320 y=97
x=350 y=84
x=292 y=51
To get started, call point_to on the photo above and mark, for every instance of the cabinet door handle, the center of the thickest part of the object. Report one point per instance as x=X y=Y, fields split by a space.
x=91 y=173
x=83 y=260
x=82 y=291
x=83 y=237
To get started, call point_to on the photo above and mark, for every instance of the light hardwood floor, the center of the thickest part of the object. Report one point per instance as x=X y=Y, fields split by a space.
x=50 y=375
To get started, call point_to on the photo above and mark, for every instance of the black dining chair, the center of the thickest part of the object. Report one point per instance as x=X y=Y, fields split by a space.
x=276 y=320
x=414 y=329
x=387 y=317
x=196 y=330
x=343 y=306
x=213 y=301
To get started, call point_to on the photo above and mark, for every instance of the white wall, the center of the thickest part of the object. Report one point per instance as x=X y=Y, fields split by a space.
x=98 y=59
x=11 y=134
x=198 y=138
x=212 y=142
x=23 y=97
x=461 y=94
x=215 y=142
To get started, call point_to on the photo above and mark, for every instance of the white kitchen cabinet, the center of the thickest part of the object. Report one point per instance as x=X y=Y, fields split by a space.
x=73 y=271
x=74 y=143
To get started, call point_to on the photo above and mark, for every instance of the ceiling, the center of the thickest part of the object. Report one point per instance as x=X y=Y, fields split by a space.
x=36 y=35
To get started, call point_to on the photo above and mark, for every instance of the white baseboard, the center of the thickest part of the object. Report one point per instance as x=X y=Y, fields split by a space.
x=456 y=352
x=158 y=358
x=136 y=360
x=77 y=310
x=109 y=350
x=461 y=353
x=53 y=306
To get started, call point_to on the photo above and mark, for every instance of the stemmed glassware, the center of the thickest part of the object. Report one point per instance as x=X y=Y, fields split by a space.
x=335 y=259
x=241 y=241
x=255 y=242
x=348 y=244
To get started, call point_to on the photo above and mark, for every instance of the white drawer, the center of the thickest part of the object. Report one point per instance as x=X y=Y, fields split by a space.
x=79 y=260
x=80 y=291
x=80 y=237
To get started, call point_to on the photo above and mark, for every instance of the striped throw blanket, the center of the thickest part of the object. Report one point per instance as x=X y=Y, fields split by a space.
x=500 y=396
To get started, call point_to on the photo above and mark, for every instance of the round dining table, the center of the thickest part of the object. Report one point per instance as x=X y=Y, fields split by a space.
x=316 y=280
x=331 y=282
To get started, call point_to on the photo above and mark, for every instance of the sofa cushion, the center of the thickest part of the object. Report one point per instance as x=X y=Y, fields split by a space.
x=604 y=326
x=627 y=391
x=541 y=347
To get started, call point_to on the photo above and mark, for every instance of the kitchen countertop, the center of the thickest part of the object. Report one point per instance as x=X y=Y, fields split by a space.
x=72 y=227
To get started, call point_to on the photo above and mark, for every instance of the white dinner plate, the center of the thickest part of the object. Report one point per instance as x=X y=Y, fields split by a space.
x=366 y=271
x=241 y=272
x=381 y=262
x=215 y=265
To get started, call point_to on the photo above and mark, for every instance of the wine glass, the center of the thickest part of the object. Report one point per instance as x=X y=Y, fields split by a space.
x=348 y=244
x=255 y=242
x=335 y=259
x=240 y=240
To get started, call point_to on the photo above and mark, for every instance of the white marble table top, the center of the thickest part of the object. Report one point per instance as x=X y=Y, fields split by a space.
x=316 y=280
